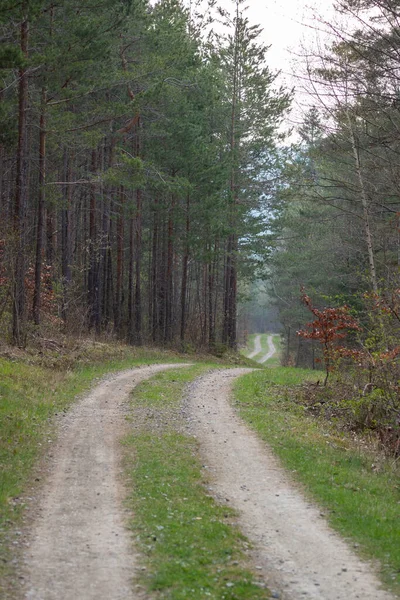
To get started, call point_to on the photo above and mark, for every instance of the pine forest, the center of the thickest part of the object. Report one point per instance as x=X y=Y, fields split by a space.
x=135 y=159
x=156 y=188
x=199 y=299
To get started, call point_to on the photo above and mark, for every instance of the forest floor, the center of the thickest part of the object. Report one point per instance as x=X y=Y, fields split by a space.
x=77 y=544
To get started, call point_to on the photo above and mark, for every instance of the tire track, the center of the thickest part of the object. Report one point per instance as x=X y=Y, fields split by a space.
x=294 y=546
x=80 y=548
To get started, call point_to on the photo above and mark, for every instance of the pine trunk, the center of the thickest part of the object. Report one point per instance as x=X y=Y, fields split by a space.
x=20 y=196
x=40 y=212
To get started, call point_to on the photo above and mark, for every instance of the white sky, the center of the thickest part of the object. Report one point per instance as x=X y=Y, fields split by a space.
x=288 y=26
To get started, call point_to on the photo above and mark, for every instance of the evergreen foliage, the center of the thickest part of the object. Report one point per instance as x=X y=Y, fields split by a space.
x=134 y=154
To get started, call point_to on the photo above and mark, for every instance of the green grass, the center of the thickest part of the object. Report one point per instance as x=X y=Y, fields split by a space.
x=271 y=362
x=30 y=396
x=275 y=360
x=359 y=491
x=250 y=345
x=191 y=548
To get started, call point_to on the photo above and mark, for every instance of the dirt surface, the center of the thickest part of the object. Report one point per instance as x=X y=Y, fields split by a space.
x=271 y=351
x=257 y=347
x=80 y=548
x=300 y=555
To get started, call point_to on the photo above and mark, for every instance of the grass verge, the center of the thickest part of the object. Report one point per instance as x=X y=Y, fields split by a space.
x=34 y=387
x=361 y=495
x=190 y=547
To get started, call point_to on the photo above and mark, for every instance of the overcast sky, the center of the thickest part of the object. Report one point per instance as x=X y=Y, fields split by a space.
x=288 y=25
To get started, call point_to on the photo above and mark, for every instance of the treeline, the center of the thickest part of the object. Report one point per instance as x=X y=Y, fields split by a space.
x=137 y=161
x=337 y=220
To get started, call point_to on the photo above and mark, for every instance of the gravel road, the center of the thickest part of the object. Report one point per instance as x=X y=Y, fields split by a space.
x=271 y=351
x=80 y=548
x=300 y=555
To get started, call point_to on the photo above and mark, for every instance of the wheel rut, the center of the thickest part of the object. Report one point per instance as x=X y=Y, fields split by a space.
x=293 y=545
x=80 y=548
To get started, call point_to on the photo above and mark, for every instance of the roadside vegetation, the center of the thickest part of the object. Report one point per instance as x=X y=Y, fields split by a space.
x=35 y=387
x=250 y=342
x=353 y=481
x=191 y=546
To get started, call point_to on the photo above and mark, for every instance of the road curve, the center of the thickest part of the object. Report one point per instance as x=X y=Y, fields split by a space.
x=257 y=347
x=271 y=351
x=80 y=548
x=293 y=545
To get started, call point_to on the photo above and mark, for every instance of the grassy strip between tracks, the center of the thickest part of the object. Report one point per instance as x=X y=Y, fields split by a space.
x=191 y=549
x=34 y=388
x=30 y=396
x=357 y=487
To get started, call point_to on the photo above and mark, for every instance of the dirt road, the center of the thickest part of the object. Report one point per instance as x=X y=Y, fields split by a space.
x=271 y=351
x=301 y=556
x=80 y=548
x=257 y=347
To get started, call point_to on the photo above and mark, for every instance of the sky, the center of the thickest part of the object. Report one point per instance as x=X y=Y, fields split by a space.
x=288 y=26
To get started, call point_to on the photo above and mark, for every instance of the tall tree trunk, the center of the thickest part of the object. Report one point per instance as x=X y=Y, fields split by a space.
x=93 y=283
x=232 y=314
x=230 y=302
x=40 y=211
x=107 y=307
x=154 y=274
x=66 y=251
x=120 y=262
x=138 y=274
x=131 y=335
x=20 y=194
x=185 y=272
x=365 y=207
x=168 y=335
x=211 y=319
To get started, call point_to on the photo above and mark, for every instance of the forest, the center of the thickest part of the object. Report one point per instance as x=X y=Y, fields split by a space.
x=147 y=184
x=199 y=302
x=138 y=161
